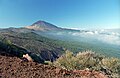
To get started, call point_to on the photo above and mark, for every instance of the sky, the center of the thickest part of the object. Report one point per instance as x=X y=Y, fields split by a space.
x=82 y=14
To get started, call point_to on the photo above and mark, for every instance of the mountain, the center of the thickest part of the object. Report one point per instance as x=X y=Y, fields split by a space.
x=43 y=26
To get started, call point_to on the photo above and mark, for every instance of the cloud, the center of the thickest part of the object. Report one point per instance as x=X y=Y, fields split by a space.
x=107 y=37
x=111 y=39
x=60 y=33
x=99 y=35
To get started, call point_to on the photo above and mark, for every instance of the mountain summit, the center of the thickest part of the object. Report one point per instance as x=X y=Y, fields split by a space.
x=43 y=26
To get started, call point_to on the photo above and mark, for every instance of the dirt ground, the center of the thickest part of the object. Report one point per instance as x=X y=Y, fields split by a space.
x=14 y=67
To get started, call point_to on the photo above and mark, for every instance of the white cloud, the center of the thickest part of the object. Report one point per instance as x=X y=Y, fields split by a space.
x=112 y=39
x=100 y=35
x=108 y=37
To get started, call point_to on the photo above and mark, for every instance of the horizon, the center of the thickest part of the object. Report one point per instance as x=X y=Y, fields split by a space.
x=80 y=14
x=74 y=28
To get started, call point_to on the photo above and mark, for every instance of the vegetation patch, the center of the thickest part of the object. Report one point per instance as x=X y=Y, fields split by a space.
x=88 y=60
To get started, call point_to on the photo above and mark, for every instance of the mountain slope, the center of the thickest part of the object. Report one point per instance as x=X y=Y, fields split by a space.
x=42 y=47
x=45 y=26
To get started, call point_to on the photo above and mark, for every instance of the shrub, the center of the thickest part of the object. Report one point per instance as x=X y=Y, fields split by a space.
x=66 y=61
x=8 y=42
x=90 y=60
x=113 y=64
x=82 y=60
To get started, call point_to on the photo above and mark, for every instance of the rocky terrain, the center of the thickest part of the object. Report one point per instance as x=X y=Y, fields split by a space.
x=14 y=67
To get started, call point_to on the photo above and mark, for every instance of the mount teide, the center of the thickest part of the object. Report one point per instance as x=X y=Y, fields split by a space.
x=43 y=26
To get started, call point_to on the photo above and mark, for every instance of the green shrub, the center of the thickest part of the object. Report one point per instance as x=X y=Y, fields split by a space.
x=82 y=60
x=90 y=60
x=66 y=61
x=8 y=42
x=113 y=64
x=48 y=63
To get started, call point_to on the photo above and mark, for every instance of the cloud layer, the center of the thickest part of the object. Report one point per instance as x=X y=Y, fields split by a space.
x=106 y=36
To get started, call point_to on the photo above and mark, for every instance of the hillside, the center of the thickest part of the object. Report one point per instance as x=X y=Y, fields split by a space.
x=44 y=48
x=14 y=67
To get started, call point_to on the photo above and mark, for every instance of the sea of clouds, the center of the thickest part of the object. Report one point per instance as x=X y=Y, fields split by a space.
x=105 y=36
x=110 y=37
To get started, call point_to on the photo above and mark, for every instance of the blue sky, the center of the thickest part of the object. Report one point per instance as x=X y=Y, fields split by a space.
x=63 y=13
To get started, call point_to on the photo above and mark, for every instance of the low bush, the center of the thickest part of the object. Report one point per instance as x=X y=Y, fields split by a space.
x=89 y=60
x=113 y=64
